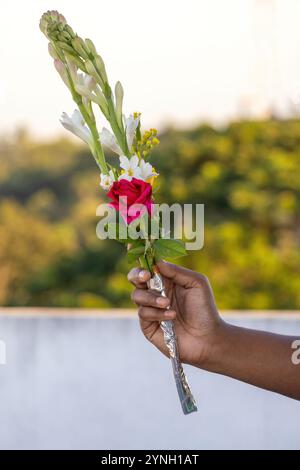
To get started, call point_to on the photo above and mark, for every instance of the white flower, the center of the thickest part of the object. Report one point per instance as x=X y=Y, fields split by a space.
x=84 y=83
x=135 y=168
x=130 y=167
x=131 y=124
x=87 y=87
x=109 y=140
x=107 y=180
x=147 y=170
x=76 y=124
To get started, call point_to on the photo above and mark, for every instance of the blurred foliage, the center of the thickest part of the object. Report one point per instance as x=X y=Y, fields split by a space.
x=247 y=175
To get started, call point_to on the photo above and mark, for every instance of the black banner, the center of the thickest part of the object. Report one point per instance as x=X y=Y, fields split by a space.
x=104 y=458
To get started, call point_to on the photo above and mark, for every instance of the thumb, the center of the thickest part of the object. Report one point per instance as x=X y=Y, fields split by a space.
x=179 y=275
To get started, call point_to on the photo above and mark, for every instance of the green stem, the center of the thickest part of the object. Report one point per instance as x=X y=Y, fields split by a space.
x=120 y=134
x=99 y=154
x=98 y=148
x=147 y=262
x=90 y=121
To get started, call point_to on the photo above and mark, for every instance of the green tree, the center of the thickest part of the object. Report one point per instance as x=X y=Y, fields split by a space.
x=246 y=174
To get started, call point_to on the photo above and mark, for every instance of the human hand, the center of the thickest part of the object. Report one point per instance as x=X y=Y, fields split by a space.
x=191 y=306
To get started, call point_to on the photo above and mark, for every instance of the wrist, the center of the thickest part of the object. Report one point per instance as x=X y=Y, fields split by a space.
x=217 y=346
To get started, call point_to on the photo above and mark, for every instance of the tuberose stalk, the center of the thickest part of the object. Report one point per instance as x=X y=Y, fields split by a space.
x=90 y=121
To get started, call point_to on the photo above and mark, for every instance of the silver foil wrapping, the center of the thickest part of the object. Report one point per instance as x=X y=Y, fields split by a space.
x=185 y=395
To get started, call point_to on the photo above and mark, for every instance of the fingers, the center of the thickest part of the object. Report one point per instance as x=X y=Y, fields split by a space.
x=150 y=314
x=153 y=332
x=148 y=298
x=139 y=277
x=152 y=306
x=181 y=276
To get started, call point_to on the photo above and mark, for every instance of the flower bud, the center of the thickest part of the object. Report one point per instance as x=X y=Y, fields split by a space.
x=80 y=47
x=70 y=31
x=71 y=58
x=49 y=18
x=53 y=52
x=71 y=66
x=65 y=47
x=92 y=71
x=101 y=67
x=91 y=47
x=119 y=100
x=102 y=102
x=61 y=69
x=107 y=90
x=64 y=37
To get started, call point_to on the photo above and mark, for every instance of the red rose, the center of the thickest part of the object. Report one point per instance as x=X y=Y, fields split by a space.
x=131 y=198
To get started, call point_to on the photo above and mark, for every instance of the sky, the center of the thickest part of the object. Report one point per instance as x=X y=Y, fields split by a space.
x=180 y=62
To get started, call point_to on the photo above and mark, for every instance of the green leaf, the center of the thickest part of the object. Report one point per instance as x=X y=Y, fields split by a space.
x=169 y=248
x=134 y=253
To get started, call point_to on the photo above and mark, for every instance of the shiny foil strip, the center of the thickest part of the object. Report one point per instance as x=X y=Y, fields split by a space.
x=185 y=395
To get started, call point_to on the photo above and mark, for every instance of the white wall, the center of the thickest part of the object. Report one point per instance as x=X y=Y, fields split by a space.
x=81 y=382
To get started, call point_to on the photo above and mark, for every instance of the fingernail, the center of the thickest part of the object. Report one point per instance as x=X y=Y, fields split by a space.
x=142 y=274
x=162 y=301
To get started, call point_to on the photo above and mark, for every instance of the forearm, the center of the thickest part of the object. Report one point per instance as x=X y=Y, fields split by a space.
x=258 y=358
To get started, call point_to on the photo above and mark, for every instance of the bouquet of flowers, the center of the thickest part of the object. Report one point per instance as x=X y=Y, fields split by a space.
x=128 y=184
